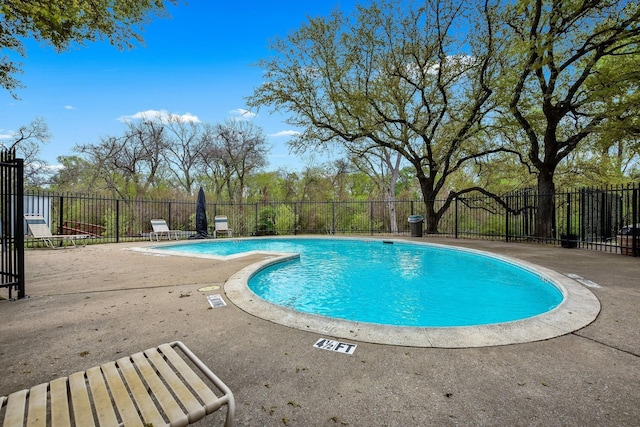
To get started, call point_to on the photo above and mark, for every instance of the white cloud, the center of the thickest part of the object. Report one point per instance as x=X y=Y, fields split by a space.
x=54 y=168
x=462 y=61
x=285 y=133
x=4 y=134
x=242 y=114
x=69 y=107
x=162 y=116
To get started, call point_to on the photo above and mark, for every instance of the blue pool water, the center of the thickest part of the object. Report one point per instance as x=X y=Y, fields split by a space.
x=397 y=283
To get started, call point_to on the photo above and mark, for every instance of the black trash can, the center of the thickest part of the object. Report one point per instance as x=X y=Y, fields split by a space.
x=569 y=241
x=415 y=223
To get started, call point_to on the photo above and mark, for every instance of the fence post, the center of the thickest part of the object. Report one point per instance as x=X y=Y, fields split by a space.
x=333 y=217
x=257 y=227
x=295 y=218
x=12 y=272
x=506 y=221
x=371 y=217
x=569 y=213
x=61 y=216
x=455 y=204
x=635 y=233
x=19 y=230
x=18 y=225
x=117 y=220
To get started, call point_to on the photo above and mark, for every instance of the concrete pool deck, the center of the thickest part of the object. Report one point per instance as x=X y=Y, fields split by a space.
x=92 y=305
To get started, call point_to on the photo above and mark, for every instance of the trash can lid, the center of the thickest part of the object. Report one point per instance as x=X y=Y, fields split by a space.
x=416 y=218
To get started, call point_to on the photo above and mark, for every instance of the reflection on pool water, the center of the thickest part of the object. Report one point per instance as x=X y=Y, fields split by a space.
x=392 y=283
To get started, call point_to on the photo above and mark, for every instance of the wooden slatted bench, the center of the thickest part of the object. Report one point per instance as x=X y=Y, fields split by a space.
x=77 y=227
x=153 y=388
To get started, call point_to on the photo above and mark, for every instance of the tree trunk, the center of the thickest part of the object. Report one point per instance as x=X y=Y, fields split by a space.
x=394 y=170
x=545 y=214
x=430 y=216
x=391 y=206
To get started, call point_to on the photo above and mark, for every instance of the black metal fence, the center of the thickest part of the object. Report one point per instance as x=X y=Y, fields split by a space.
x=604 y=219
x=12 y=232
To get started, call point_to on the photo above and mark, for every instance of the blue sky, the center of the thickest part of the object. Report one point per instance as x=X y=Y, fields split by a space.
x=200 y=62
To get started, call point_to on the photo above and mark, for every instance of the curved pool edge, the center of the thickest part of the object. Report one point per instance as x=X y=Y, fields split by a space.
x=579 y=308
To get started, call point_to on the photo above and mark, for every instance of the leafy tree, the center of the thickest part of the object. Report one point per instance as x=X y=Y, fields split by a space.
x=561 y=90
x=398 y=77
x=285 y=219
x=316 y=184
x=74 y=174
x=263 y=187
x=61 y=23
x=339 y=172
x=288 y=185
x=617 y=146
x=383 y=166
x=266 y=221
x=407 y=186
x=279 y=185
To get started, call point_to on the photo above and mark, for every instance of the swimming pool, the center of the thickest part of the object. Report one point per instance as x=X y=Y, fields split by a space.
x=392 y=283
x=578 y=306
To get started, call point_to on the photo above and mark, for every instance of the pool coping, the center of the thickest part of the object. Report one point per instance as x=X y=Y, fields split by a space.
x=579 y=308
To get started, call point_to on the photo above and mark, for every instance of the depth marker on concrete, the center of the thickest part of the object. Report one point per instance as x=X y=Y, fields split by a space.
x=216 y=301
x=337 y=346
x=582 y=280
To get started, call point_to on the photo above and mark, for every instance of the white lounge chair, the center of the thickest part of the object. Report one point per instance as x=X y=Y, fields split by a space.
x=160 y=228
x=157 y=387
x=39 y=229
x=221 y=226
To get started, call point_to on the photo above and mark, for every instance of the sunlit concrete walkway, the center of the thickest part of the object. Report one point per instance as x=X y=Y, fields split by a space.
x=95 y=304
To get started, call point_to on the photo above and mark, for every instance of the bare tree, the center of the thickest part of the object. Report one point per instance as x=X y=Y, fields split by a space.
x=185 y=142
x=214 y=171
x=148 y=138
x=113 y=166
x=28 y=141
x=128 y=165
x=238 y=149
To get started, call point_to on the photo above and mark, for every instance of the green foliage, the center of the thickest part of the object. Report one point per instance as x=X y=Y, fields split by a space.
x=475 y=221
x=569 y=72
x=266 y=221
x=276 y=219
x=247 y=225
x=62 y=23
x=362 y=223
x=378 y=89
x=285 y=219
x=73 y=175
x=119 y=224
x=377 y=85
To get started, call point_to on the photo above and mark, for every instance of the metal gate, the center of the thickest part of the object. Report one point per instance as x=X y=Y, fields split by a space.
x=12 y=224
